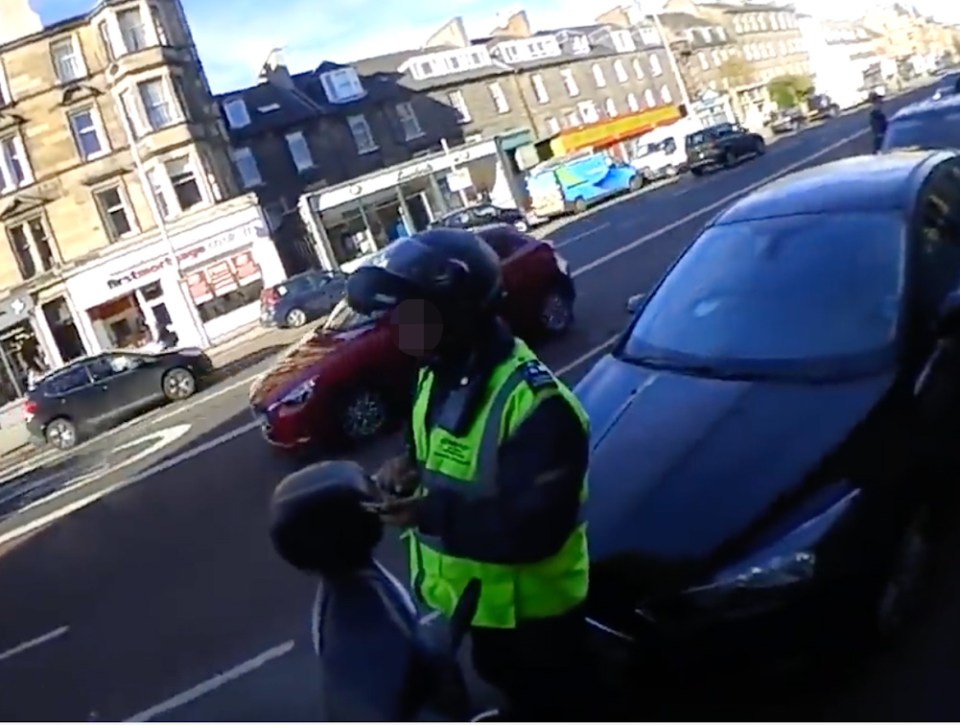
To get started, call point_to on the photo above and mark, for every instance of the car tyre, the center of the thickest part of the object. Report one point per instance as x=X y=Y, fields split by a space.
x=364 y=415
x=908 y=576
x=556 y=314
x=696 y=171
x=636 y=183
x=579 y=206
x=178 y=384
x=296 y=318
x=761 y=147
x=61 y=433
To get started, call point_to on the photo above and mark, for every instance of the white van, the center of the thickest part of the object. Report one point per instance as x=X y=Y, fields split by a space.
x=661 y=152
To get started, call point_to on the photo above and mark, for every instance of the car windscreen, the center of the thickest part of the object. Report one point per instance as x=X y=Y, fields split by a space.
x=344 y=318
x=799 y=295
x=924 y=132
x=697 y=139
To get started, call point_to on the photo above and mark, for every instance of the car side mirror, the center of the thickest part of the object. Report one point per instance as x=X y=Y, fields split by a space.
x=948 y=320
x=635 y=302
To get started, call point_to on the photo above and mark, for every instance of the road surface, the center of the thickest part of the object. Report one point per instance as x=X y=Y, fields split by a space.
x=147 y=589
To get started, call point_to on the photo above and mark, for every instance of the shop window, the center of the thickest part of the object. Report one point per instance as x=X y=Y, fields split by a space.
x=227 y=303
x=68 y=65
x=115 y=212
x=157 y=104
x=88 y=134
x=184 y=181
x=133 y=31
x=14 y=170
x=19 y=351
x=31 y=246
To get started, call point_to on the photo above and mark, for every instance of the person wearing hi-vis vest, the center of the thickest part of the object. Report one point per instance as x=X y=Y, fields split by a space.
x=495 y=473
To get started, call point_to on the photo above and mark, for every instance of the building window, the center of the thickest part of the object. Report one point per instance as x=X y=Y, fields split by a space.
x=704 y=63
x=665 y=95
x=623 y=41
x=342 y=85
x=499 y=98
x=632 y=103
x=246 y=165
x=655 y=68
x=553 y=126
x=409 y=121
x=638 y=69
x=159 y=193
x=610 y=106
x=716 y=58
x=570 y=82
x=362 y=135
x=156 y=104
x=133 y=32
x=540 y=88
x=459 y=104
x=588 y=111
x=598 y=76
x=236 y=112
x=183 y=179
x=115 y=212
x=31 y=247
x=67 y=59
x=6 y=98
x=299 y=151
x=159 y=26
x=14 y=170
x=620 y=71
x=88 y=133
x=649 y=98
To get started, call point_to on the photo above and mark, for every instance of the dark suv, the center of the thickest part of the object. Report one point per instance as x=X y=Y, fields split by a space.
x=722 y=145
x=301 y=298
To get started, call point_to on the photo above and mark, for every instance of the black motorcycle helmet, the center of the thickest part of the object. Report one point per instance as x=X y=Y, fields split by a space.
x=453 y=269
x=318 y=523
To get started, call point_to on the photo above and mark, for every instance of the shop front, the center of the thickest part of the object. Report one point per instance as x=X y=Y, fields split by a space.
x=353 y=220
x=213 y=277
x=20 y=347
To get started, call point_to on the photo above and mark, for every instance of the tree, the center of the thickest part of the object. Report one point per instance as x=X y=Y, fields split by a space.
x=788 y=91
x=737 y=72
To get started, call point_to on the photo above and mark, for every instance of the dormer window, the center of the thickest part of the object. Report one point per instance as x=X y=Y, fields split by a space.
x=342 y=85
x=705 y=34
x=649 y=36
x=236 y=112
x=721 y=33
x=580 y=44
x=529 y=49
x=446 y=62
x=623 y=41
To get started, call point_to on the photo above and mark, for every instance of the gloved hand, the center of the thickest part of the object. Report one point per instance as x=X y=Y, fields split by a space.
x=397 y=477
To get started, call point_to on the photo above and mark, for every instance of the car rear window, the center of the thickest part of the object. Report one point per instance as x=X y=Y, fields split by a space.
x=66 y=381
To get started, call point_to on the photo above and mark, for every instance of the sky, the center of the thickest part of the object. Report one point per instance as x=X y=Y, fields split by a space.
x=235 y=37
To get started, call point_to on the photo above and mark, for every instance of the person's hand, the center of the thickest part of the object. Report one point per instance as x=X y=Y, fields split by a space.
x=400 y=512
x=398 y=477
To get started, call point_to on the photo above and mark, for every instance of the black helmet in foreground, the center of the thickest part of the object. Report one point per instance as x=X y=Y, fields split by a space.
x=454 y=269
x=318 y=522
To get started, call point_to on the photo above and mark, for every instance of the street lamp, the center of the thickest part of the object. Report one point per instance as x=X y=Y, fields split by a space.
x=158 y=217
x=671 y=57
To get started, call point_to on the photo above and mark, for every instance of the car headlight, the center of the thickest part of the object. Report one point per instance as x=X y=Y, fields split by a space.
x=790 y=561
x=299 y=394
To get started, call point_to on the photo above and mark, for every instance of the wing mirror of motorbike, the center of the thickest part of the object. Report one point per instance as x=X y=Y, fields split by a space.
x=635 y=302
x=948 y=320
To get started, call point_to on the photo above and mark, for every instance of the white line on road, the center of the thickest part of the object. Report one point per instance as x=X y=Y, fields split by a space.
x=578 y=237
x=35 y=642
x=620 y=251
x=215 y=682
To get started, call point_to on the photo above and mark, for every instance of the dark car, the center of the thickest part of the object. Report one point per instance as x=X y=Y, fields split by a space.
x=787 y=120
x=721 y=145
x=925 y=125
x=479 y=215
x=771 y=435
x=821 y=107
x=301 y=298
x=349 y=380
x=93 y=394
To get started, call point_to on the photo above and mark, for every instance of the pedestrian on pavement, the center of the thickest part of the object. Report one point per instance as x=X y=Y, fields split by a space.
x=494 y=476
x=878 y=121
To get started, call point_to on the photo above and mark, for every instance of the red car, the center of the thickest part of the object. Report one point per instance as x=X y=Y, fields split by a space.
x=348 y=381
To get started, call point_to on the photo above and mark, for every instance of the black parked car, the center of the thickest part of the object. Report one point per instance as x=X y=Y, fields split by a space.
x=481 y=215
x=93 y=394
x=301 y=298
x=722 y=145
x=773 y=434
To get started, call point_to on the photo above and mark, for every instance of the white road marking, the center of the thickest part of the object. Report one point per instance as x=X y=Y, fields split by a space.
x=35 y=642
x=592 y=352
x=713 y=206
x=582 y=235
x=215 y=682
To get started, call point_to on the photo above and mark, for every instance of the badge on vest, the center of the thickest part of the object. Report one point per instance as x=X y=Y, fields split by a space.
x=537 y=375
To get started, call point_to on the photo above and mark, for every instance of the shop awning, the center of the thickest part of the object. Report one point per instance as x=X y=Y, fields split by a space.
x=606 y=133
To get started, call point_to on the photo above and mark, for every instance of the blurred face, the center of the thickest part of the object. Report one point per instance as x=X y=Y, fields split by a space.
x=417 y=326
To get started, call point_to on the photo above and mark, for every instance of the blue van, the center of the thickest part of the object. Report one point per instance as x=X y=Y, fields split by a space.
x=572 y=183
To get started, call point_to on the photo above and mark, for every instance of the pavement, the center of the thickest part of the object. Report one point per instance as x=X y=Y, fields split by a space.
x=138 y=582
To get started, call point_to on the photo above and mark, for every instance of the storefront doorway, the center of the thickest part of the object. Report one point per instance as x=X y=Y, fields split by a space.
x=120 y=323
x=63 y=329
